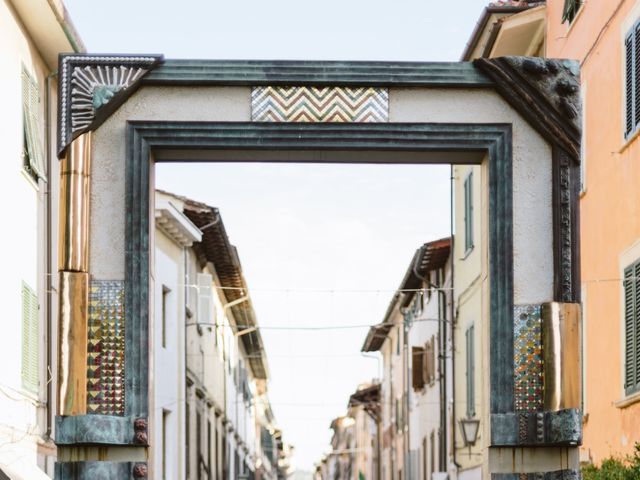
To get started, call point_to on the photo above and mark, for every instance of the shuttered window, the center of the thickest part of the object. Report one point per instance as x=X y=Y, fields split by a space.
x=32 y=149
x=30 y=354
x=417 y=356
x=468 y=212
x=429 y=361
x=570 y=10
x=471 y=384
x=632 y=328
x=632 y=80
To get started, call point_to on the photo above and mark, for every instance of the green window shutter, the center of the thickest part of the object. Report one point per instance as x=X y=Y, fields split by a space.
x=34 y=157
x=471 y=394
x=468 y=212
x=636 y=327
x=30 y=354
x=632 y=328
x=629 y=77
x=636 y=76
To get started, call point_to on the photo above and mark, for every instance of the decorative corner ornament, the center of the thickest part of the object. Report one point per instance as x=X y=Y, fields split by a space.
x=92 y=87
x=140 y=429
x=544 y=91
x=140 y=470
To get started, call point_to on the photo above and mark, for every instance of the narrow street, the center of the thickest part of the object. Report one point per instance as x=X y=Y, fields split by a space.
x=236 y=259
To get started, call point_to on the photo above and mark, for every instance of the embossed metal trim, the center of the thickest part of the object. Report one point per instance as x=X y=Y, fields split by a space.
x=528 y=358
x=319 y=104
x=253 y=73
x=561 y=335
x=469 y=139
x=75 y=169
x=88 y=84
x=106 y=361
x=72 y=343
x=561 y=428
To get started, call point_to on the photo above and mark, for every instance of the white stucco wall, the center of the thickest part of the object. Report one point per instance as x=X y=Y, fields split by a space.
x=532 y=217
x=108 y=167
x=168 y=361
x=533 y=269
x=22 y=251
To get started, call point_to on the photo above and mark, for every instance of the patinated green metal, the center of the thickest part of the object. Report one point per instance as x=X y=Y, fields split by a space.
x=306 y=73
x=471 y=141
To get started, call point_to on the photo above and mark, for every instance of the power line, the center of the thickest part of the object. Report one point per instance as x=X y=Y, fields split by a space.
x=324 y=290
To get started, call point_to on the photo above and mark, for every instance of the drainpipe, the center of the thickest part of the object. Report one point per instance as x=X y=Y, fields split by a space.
x=185 y=256
x=452 y=315
x=407 y=391
x=73 y=266
x=48 y=266
x=442 y=340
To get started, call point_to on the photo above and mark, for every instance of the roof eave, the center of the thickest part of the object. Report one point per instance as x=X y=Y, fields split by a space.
x=481 y=25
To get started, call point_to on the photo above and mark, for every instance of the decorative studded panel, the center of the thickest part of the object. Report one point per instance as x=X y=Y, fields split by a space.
x=91 y=87
x=325 y=104
x=528 y=359
x=105 y=369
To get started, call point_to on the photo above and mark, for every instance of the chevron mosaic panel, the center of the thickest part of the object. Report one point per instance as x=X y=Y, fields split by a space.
x=325 y=104
x=528 y=359
x=105 y=369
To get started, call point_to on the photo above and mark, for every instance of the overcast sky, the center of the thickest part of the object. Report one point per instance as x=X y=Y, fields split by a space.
x=321 y=246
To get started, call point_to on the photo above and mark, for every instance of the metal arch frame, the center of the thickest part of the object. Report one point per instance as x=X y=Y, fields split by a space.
x=494 y=140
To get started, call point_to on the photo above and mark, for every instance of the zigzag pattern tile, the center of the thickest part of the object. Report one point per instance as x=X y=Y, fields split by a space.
x=311 y=104
x=105 y=369
x=528 y=359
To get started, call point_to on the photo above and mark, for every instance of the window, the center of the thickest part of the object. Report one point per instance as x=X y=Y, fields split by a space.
x=165 y=294
x=417 y=355
x=425 y=467
x=471 y=394
x=165 y=421
x=429 y=361
x=30 y=351
x=33 y=158
x=199 y=458
x=468 y=212
x=570 y=10
x=432 y=453
x=632 y=328
x=187 y=422
x=632 y=80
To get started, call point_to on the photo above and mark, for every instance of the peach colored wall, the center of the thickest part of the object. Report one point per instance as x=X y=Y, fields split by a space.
x=610 y=212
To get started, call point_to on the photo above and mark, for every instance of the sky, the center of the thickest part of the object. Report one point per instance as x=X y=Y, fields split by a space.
x=321 y=246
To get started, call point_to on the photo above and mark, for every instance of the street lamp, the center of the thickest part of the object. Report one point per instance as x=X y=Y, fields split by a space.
x=469 y=428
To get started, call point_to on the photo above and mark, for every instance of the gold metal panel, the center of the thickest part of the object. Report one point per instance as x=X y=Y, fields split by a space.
x=561 y=339
x=75 y=169
x=72 y=343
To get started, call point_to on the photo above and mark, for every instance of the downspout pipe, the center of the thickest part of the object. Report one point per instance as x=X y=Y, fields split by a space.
x=48 y=259
x=452 y=319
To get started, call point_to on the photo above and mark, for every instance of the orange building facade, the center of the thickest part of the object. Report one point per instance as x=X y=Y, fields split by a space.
x=598 y=36
x=604 y=36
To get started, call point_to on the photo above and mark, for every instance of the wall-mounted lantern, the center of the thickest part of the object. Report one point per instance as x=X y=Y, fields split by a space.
x=470 y=427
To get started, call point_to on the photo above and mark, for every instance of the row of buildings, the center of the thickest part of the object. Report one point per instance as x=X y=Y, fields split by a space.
x=426 y=418
x=210 y=399
x=408 y=424
x=210 y=408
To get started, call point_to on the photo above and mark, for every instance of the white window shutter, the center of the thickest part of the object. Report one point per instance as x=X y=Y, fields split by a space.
x=206 y=311
x=31 y=119
x=30 y=353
